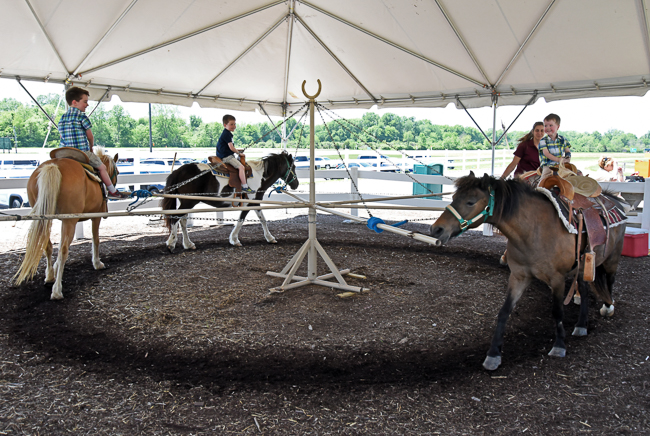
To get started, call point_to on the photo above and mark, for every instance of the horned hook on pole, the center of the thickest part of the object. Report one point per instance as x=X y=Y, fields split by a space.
x=311 y=97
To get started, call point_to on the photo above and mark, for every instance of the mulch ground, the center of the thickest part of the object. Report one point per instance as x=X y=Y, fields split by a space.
x=192 y=343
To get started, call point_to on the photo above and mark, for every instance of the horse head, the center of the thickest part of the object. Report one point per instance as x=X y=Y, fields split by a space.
x=284 y=167
x=472 y=204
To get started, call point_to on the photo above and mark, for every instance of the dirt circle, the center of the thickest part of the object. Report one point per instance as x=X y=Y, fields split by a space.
x=193 y=343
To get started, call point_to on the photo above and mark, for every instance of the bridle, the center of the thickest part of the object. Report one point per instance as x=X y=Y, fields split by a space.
x=485 y=213
x=288 y=173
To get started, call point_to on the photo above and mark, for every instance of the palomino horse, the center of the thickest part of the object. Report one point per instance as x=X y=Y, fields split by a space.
x=61 y=186
x=539 y=247
x=265 y=174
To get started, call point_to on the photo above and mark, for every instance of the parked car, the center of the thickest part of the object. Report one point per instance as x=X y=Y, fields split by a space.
x=361 y=165
x=12 y=199
x=324 y=162
x=302 y=162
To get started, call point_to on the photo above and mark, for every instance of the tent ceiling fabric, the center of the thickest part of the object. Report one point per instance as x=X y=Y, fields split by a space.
x=390 y=53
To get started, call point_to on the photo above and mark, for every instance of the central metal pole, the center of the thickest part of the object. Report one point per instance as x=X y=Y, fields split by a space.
x=312 y=260
x=494 y=130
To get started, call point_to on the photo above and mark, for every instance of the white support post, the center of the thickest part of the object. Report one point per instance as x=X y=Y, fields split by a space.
x=79 y=230
x=220 y=218
x=464 y=158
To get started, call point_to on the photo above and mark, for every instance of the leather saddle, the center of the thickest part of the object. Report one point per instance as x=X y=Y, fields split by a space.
x=79 y=156
x=594 y=208
x=224 y=170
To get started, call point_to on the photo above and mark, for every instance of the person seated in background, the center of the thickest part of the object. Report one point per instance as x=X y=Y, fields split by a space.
x=607 y=171
x=527 y=152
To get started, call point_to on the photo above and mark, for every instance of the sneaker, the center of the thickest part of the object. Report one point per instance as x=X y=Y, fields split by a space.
x=117 y=195
x=247 y=190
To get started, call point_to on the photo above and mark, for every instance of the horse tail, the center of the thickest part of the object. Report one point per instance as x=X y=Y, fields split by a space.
x=600 y=285
x=38 y=236
x=170 y=203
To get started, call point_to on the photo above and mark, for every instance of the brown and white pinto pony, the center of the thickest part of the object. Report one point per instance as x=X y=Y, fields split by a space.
x=539 y=247
x=275 y=166
x=61 y=186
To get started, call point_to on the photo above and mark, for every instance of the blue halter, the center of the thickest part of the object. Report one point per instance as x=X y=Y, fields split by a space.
x=485 y=213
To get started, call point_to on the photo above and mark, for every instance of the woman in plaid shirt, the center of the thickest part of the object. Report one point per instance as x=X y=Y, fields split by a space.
x=74 y=128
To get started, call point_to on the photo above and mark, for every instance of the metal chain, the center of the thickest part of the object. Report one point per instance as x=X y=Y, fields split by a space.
x=275 y=128
x=347 y=170
x=328 y=111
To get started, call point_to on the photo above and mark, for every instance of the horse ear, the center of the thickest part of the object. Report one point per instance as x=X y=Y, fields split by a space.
x=471 y=174
x=115 y=158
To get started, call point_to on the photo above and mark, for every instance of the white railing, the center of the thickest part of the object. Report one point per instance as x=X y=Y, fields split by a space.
x=633 y=192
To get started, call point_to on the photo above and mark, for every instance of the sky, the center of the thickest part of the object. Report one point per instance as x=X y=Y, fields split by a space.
x=629 y=114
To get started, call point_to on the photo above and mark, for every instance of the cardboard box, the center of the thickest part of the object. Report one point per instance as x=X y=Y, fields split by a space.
x=642 y=167
x=635 y=245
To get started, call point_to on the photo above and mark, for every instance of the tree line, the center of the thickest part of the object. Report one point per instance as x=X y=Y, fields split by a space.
x=28 y=127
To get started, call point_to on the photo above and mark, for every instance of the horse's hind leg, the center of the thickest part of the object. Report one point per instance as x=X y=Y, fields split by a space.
x=49 y=270
x=267 y=234
x=559 y=348
x=67 y=233
x=605 y=277
x=516 y=286
x=581 y=327
x=187 y=244
x=97 y=264
x=173 y=237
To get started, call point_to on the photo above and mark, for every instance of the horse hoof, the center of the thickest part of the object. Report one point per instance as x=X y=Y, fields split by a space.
x=99 y=265
x=503 y=260
x=190 y=247
x=579 y=331
x=492 y=363
x=557 y=352
x=56 y=296
x=607 y=311
x=273 y=242
x=577 y=300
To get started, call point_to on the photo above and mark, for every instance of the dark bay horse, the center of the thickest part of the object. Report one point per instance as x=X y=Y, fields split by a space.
x=266 y=172
x=61 y=186
x=539 y=247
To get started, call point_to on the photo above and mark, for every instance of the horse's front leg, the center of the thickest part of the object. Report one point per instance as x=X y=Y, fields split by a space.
x=187 y=244
x=559 y=348
x=67 y=233
x=49 y=270
x=267 y=234
x=97 y=264
x=234 y=235
x=516 y=286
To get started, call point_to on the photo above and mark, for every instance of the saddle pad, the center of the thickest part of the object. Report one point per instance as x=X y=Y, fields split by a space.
x=613 y=214
x=69 y=153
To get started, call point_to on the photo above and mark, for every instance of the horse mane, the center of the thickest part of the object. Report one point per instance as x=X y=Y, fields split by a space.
x=274 y=156
x=508 y=194
x=100 y=151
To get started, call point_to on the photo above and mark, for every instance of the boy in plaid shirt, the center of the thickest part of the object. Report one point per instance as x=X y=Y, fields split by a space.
x=553 y=148
x=74 y=128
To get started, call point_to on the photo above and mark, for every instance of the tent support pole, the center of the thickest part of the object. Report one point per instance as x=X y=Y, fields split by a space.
x=311 y=248
x=37 y=103
x=495 y=100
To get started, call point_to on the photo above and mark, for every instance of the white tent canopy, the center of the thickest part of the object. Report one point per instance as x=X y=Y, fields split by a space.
x=244 y=54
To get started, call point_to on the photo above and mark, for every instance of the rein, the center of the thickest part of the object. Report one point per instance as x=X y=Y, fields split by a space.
x=487 y=212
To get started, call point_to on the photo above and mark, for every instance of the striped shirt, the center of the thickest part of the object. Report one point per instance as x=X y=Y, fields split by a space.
x=72 y=128
x=558 y=148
